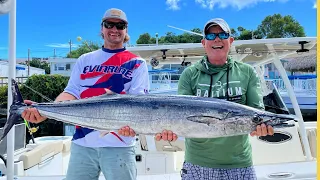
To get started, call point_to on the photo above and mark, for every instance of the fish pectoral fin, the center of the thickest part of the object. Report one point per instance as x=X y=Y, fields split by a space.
x=208 y=120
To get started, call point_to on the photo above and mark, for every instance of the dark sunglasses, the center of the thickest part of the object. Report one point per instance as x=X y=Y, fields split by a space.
x=119 y=25
x=213 y=36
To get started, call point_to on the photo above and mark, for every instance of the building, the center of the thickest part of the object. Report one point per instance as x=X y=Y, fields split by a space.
x=21 y=70
x=62 y=66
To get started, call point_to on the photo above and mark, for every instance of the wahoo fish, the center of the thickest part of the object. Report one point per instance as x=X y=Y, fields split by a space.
x=187 y=116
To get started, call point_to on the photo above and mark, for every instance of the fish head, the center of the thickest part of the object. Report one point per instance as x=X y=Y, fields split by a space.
x=274 y=120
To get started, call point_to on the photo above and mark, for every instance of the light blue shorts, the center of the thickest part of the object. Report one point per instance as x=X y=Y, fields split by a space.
x=115 y=163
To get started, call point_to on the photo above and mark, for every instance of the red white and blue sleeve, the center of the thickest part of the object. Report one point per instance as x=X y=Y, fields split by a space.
x=73 y=86
x=140 y=80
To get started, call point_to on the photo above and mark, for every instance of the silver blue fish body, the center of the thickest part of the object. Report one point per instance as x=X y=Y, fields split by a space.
x=187 y=116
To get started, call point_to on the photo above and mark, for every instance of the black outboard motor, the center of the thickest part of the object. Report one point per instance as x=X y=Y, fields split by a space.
x=274 y=103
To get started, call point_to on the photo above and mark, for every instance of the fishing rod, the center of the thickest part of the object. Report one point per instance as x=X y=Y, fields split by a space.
x=186 y=30
x=32 y=130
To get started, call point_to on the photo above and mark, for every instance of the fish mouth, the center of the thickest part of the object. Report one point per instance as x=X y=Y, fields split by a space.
x=282 y=125
x=275 y=120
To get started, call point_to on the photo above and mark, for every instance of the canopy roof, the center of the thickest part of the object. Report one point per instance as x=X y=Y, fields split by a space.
x=249 y=51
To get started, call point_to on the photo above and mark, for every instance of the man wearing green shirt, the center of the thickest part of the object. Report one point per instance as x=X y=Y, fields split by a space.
x=219 y=76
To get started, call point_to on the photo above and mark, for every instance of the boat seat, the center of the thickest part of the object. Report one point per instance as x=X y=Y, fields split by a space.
x=41 y=153
x=312 y=138
x=66 y=146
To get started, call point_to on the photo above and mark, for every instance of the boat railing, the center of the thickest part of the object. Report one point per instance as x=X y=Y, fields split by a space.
x=165 y=81
x=298 y=85
x=165 y=78
x=4 y=80
x=308 y=86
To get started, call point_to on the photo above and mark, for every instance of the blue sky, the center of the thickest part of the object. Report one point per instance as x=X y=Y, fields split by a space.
x=43 y=27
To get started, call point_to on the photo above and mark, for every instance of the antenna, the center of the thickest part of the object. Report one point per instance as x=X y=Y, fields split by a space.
x=186 y=30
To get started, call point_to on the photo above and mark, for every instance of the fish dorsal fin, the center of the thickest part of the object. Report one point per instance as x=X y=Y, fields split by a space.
x=208 y=120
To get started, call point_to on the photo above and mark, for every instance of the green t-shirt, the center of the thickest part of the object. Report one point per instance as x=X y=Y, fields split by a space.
x=244 y=88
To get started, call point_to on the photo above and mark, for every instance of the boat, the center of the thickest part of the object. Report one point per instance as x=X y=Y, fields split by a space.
x=289 y=154
x=305 y=89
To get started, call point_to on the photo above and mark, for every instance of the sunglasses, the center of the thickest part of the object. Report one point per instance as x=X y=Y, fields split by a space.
x=119 y=25
x=213 y=36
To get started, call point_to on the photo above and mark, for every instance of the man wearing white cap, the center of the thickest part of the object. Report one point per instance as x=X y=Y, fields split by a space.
x=217 y=75
x=111 y=69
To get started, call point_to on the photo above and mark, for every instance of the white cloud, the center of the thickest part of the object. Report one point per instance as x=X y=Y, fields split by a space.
x=58 y=45
x=173 y=4
x=238 y=4
x=315 y=5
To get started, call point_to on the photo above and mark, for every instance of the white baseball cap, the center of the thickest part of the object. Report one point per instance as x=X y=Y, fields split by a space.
x=217 y=21
x=115 y=13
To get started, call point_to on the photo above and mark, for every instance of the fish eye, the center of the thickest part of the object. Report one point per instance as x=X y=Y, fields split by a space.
x=256 y=118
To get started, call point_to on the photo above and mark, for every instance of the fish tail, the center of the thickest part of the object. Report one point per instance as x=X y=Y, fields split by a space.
x=14 y=115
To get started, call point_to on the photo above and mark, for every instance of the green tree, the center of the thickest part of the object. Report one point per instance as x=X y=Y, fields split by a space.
x=144 y=39
x=190 y=38
x=277 y=26
x=171 y=37
x=45 y=65
x=234 y=33
x=273 y=26
x=244 y=34
x=37 y=63
x=83 y=48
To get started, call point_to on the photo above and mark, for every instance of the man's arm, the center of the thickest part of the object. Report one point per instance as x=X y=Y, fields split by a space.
x=33 y=115
x=71 y=92
x=64 y=96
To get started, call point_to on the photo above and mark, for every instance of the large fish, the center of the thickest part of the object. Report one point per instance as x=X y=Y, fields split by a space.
x=187 y=116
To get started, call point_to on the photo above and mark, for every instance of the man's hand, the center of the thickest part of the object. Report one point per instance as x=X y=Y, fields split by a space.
x=262 y=130
x=32 y=114
x=166 y=136
x=126 y=131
